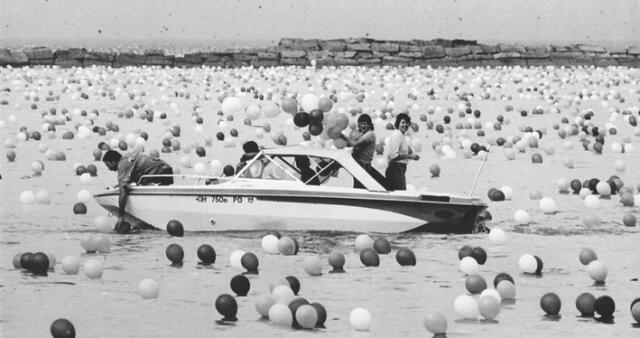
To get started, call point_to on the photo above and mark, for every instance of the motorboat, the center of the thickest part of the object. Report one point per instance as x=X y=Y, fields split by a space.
x=271 y=192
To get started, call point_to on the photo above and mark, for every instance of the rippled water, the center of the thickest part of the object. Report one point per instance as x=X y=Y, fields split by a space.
x=397 y=297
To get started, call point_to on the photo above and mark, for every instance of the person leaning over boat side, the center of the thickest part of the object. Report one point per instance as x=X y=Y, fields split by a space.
x=363 y=141
x=130 y=168
x=399 y=154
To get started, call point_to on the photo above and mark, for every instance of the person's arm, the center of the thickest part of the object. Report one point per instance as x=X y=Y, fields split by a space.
x=357 y=138
x=124 y=178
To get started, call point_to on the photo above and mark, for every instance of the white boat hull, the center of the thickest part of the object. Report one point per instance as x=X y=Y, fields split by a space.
x=219 y=208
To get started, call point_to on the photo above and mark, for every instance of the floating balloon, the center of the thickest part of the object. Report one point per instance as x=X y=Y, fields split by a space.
x=270 y=244
x=405 y=257
x=466 y=307
x=93 y=269
x=240 y=285
x=227 y=306
x=550 y=303
x=263 y=304
x=506 y=289
x=313 y=266
x=585 y=304
x=235 y=259
x=360 y=319
x=469 y=265
x=435 y=322
x=336 y=260
x=489 y=307
x=149 y=289
x=497 y=236
x=280 y=315
x=597 y=271
x=62 y=328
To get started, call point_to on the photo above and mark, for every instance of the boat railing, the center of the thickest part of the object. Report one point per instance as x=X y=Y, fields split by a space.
x=182 y=179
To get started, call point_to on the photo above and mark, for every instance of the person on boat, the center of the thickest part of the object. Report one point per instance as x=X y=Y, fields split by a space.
x=251 y=149
x=130 y=168
x=363 y=141
x=399 y=154
x=307 y=175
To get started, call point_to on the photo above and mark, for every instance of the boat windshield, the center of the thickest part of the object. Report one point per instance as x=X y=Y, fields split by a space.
x=310 y=170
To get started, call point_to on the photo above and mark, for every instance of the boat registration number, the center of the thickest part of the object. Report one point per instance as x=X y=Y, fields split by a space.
x=224 y=199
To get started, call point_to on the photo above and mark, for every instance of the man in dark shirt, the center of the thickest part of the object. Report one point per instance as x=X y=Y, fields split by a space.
x=130 y=168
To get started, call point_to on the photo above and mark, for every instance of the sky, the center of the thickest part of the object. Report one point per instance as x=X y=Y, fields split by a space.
x=488 y=21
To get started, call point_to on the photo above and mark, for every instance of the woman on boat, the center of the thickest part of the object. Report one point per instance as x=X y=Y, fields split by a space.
x=399 y=154
x=363 y=141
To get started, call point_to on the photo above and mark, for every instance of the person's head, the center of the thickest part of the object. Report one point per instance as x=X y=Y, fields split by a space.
x=250 y=147
x=403 y=122
x=364 y=123
x=111 y=159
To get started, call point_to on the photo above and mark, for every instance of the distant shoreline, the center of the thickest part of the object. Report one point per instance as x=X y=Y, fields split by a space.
x=115 y=44
x=365 y=52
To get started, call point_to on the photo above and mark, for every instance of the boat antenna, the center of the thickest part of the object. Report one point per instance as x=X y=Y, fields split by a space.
x=475 y=181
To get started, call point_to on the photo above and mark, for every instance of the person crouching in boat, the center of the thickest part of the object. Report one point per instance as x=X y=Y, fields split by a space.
x=251 y=149
x=399 y=154
x=130 y=168
x=363 y=141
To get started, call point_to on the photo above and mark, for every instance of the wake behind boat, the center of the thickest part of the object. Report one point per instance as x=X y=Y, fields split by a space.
x=269 y=194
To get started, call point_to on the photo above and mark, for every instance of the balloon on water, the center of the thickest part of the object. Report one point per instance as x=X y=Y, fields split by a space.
x=235 y=259
x=79 y=208
x=586 y=256
x=363 y=241
x=336 y=260
x=270 y=244
x=550 y=303
x=27 y=197
x=175 y=253
x=528 y=263
x=405 y=257
x=597 y=271
x=635 y=309
x=479 y=254
x=92 y=269
x=62 y=328
x=469 y=265
x=250 y=262
x=465 y=251
x=604 y=306
x=312 y=265
x=227 y=306
x=149 y=289
x=287 y=246
x=435 y=322
x=206 y=254
x=293 y=307
x=475 y=284
x=585 y=304
x=360 y=319
x=70 y=265
x=489 y=307
x=240 y=285
x=506 y=289
x=293 y=283
x=283 y=294
x=497 y=236
x=306 y=316
x=466 y=307
x=548 y=205
x=263 y=304
x=280 y=314
x=369 y=257
x=491 y=293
